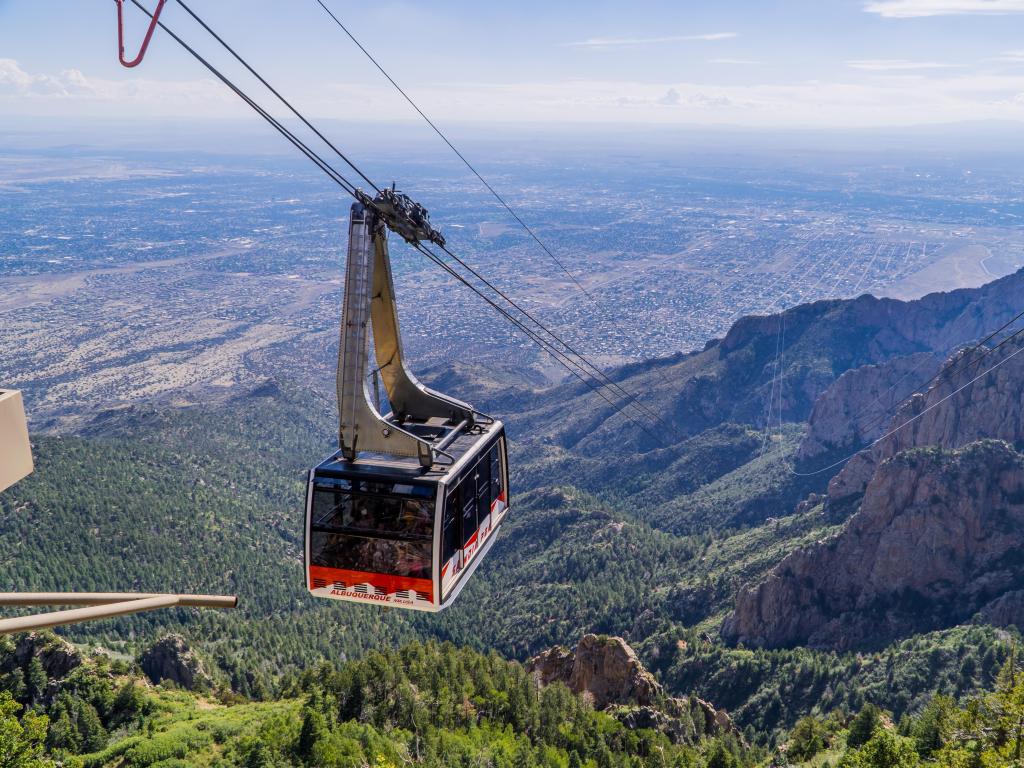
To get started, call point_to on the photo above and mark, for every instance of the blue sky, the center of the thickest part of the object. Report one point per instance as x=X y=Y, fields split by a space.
x=662 y=62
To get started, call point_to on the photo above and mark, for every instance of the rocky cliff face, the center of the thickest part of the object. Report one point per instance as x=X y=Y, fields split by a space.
x=608 y=672
x=937 y=533
x=958 y=409
x=856 y=408
x=938 y=537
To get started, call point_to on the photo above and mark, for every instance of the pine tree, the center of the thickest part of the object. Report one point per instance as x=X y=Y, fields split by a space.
x=314 y=726
x=720 y=757
x=929 y=730
x=128 y=704
x=14 y=683
x=863 y=726
x=36 y=682
x=93 y=734
x=806 y=739
x=63 y=732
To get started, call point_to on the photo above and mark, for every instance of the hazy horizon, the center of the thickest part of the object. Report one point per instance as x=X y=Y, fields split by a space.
x=248 y=135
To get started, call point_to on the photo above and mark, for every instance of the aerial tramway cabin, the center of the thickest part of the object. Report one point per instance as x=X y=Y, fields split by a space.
x=385 y=529
x=410 y=503
x=405 y=510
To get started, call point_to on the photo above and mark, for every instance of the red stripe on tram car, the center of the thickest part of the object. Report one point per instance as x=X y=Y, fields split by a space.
x=390 y=584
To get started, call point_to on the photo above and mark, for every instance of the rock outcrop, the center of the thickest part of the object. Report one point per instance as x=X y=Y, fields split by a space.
x=170 y=658
x=605 y=669
x=57 y=656
x=607 y=672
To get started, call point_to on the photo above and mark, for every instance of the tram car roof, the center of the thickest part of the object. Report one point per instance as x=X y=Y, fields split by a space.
x=466 y=444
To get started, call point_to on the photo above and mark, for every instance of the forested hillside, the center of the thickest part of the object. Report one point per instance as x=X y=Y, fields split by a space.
x=428 y=704
x=434 y=704
x=651 y=543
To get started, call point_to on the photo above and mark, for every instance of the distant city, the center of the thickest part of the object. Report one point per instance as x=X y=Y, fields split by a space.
x=171 y=276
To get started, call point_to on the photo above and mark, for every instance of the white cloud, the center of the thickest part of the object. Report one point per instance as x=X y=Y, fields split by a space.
x=72 y=92
x=15 y=80
x=909 y=9
x=948 y=95
x=611 y=42
x=895 y=65
x=732 y=61
x=895 y=101
x=1011 y=57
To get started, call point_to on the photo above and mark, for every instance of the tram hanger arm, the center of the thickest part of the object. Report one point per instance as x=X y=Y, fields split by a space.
x=369 y=303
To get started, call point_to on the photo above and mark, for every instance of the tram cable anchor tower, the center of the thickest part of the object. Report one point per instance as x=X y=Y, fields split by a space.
x=15 y=464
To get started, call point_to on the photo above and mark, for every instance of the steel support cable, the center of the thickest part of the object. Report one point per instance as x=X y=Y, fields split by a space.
x=494 y=192
x=781 y=354
x=462 y=157
x=274 y=91
x=950 y=368
x=560 y=357
x=596 y=371
x=331 y=172
x=350 y=188
x=917 y=367
x=778 y=373
x=771 y=392
x=914 y=418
